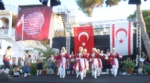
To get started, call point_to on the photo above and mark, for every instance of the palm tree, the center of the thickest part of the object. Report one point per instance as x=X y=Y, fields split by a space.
x=87 y=7
x=141 y=23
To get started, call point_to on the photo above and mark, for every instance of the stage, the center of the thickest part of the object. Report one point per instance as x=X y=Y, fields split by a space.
x=88 y=79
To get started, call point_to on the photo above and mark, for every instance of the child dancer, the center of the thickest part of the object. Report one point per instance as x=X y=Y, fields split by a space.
x=39 y=64
x=27 y=66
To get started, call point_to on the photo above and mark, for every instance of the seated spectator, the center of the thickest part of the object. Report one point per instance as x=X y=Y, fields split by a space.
x=16 y=72
x=142 y=59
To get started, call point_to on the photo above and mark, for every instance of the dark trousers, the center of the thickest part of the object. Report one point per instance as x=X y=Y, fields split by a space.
x=40 y=66
x=6 y=64
x=52 y=65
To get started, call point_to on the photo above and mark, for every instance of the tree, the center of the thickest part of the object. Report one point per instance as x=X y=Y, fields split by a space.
x=146 y=17
x=87 y=7
x=142 y=25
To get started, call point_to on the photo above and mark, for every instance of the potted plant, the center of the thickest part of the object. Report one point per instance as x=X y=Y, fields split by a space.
x=128 y=65
x=33 y=69
x=146 y=69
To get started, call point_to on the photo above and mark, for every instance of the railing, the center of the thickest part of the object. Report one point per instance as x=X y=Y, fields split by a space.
x=5 y=32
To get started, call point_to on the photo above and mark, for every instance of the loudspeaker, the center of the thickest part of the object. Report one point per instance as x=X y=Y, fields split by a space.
x=2 y=7
x=134 y=2
x=4 y=77
x=44 y=2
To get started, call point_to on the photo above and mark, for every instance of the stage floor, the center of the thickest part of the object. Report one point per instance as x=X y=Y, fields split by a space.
x=88 y=79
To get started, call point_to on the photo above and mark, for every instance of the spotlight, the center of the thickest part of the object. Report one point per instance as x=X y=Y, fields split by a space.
x=134 y=1
x=2 y=7
x=52 y=2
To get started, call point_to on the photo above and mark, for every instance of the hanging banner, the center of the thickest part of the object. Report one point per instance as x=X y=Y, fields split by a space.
x=121 y=38
x=33 y=23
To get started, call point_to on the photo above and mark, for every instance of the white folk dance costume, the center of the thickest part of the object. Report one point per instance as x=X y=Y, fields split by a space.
x=80 y=66
x=114 y=62
x=96 y=64
x=62 y=63
x=85 y=56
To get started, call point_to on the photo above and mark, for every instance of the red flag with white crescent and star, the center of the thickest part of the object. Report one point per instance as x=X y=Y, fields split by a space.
x=83 y=36
x=121 y=38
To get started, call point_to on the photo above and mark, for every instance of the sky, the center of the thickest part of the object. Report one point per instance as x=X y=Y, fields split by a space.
x=120 y=11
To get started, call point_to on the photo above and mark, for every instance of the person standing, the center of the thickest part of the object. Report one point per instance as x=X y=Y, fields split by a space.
x=7 y=58
x=27 y=66
x=25 y=57
x=20 y=65
x=114 y=57
x=52 y=63
x=80 y=65
x=71 y=70
x=96 y=63
x=39 y=64
x=62 y=62
x=108 y=66
x=85 y=54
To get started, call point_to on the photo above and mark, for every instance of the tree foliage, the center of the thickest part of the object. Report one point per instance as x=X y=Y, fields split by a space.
x=146 y=16
x=46 y=53
x=87 y=6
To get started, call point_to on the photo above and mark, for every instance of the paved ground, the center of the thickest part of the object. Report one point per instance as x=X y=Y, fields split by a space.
x=88 y=79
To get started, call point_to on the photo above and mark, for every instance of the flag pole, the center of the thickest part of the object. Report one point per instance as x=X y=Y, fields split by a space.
x=22 y=27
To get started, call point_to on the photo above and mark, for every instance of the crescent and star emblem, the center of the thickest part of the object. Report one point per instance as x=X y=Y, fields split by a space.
x=119 y=30
x=79 y=37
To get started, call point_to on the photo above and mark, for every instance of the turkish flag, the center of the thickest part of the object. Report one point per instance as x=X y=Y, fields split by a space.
x=83 y=36
x=121 y=38
x=33 y=23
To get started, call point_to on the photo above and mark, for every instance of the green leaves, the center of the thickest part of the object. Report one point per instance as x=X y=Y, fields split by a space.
x=46 y=53
x=128 y=64
x=146 y=68
x=112 y=2
x=87 y=6
x=146 y=16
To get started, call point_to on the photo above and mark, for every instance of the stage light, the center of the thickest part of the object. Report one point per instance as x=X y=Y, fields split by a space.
x=134 y=1
x=2 y=7
x=52 y=2
x=55 y=3
x=44 y=2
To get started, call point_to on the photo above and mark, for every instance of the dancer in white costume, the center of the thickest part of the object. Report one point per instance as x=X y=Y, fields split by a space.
x=114 y=56
x=85 y=54
x=62 y=62
x=80 y=65
x=96 y=64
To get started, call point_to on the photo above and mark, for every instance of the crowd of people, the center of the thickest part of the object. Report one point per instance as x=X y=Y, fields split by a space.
x=79 y=63
x=84 y=62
